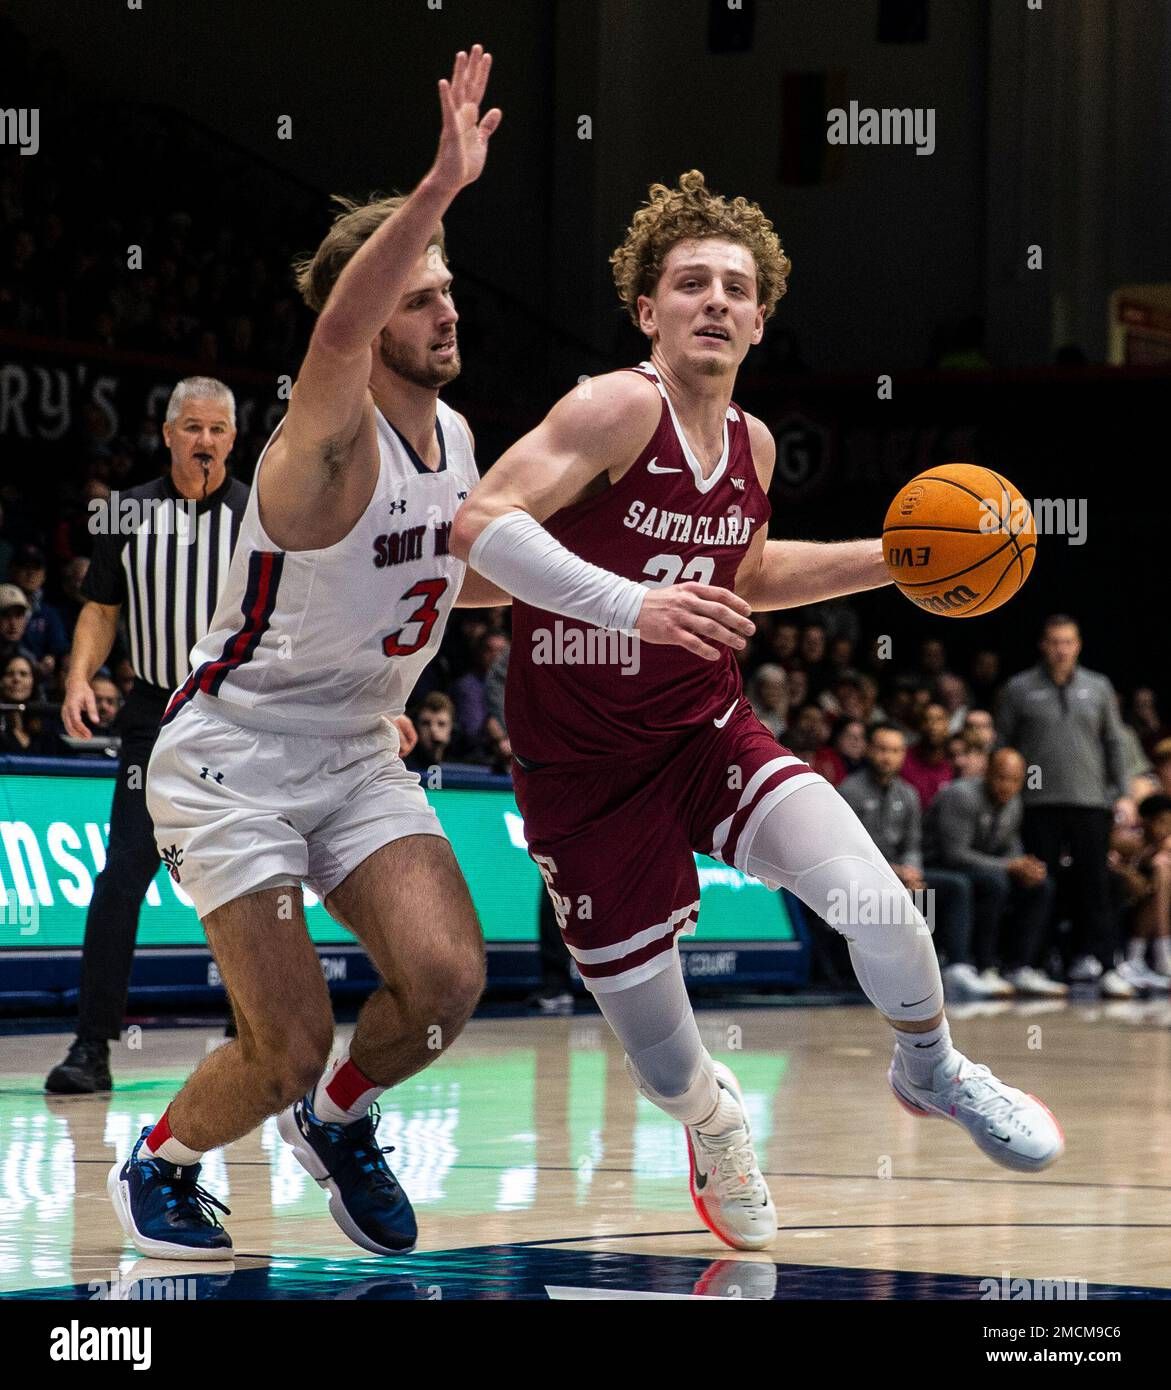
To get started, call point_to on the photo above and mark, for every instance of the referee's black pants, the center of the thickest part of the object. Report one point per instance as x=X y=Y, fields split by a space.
x=1084 y=833
x=132 y=860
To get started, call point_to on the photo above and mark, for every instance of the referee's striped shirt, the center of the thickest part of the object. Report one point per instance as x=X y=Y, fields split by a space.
x=164 y=559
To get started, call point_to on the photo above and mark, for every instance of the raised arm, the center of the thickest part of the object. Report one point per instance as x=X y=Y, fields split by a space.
x=586 y=436
x=788 y=574
x=329 y=400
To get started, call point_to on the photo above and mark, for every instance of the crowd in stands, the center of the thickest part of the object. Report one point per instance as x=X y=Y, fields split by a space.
x=932 y=759
x=926 y=752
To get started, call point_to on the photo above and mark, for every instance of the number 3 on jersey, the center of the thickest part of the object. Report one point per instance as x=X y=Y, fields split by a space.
x=427 y=615
x=665 y=569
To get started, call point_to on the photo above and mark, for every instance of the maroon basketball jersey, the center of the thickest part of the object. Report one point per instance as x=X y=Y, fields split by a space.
x=575 y=691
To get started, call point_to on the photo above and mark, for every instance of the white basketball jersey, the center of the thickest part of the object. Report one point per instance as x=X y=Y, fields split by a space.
x=332 y=640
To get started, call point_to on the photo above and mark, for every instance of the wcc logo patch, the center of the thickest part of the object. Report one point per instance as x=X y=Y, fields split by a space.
x=172 y=857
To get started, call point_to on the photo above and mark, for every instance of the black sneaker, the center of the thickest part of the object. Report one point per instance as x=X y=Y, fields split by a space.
x=85 y=1070
x=364 y=1196
x=164 y=1211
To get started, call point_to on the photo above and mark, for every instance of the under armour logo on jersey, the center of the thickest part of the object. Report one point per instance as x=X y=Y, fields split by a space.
x=216 y=777
x=399 y=506
x=172 y=858
x=738 y=483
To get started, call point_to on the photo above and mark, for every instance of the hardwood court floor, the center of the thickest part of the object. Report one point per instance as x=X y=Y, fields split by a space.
x=536 y=1171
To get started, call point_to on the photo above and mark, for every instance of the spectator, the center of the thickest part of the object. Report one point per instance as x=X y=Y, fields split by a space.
x=468 y=691
x=14 y=615
x=967 y=757
x=45 y=634
x=808 y=737
x=902 y=707
x=435 y=721
x=974 y=828
x=24 y=733
x=889 y=809
x=1063 y=719
x=1141 y=859
x=108 y=699
x=872 y=712
x=980 y=726
x=768 y=694
x=798 y=686
x=952 y=694
x=927 y=766
x=849 y=743
x=782 y=645
x=1145 y=719
x=843 y=699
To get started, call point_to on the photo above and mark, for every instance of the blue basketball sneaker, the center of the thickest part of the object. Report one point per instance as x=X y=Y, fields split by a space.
x=164 y=1211
x=364 y=1198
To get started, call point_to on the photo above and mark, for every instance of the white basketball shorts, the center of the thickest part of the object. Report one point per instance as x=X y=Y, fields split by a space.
x=237 y=809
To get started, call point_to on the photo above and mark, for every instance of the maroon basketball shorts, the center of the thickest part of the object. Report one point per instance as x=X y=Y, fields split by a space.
x=615 y=841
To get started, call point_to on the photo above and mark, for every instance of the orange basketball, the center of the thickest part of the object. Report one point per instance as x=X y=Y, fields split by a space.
x=959 y=540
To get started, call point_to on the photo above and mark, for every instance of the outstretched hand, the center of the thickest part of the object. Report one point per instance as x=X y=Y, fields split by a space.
x=463 y=144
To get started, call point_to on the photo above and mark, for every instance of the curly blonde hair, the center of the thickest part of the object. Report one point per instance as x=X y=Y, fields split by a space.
x=692 y=210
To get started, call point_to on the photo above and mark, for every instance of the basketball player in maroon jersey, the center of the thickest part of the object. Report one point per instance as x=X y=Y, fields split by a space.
x=631 y=527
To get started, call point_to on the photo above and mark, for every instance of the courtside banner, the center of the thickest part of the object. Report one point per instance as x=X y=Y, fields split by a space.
x=53 y=832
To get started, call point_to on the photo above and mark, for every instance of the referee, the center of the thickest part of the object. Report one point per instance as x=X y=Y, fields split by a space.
x=162 y=555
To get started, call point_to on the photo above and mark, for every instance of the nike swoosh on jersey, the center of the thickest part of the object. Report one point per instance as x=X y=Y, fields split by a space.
x=719 y=723
x=651 y=468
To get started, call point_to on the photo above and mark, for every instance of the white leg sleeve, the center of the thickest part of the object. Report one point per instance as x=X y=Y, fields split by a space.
x=814 y=845
x=665 y=1057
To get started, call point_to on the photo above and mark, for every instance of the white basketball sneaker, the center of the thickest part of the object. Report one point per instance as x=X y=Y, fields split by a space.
x=727 y=1186
x=1012 y=1128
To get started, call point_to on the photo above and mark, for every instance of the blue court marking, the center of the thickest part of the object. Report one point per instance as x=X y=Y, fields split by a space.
x=530 y=1271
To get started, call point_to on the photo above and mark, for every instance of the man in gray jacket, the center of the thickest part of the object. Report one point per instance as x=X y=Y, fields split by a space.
x=1064 y=721
x=888 y=806
x=974 y=828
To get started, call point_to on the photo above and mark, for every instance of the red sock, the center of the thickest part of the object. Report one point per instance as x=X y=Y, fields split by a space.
x=161 y=1143
x=345 y=1095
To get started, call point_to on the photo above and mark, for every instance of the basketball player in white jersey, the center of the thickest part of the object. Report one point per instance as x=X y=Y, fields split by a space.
x=641 y=505
x=278 y=761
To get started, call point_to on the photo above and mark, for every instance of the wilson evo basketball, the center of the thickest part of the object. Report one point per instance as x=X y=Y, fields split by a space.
x=959 y=540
